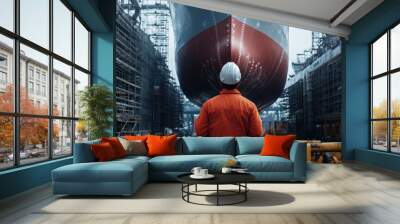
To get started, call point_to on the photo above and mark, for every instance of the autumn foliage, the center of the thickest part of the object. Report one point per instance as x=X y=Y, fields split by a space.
x=380 y=127
x=33 y=131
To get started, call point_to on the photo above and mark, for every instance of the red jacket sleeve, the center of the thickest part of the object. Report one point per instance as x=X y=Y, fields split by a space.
x=201 y=124
x=255 y=124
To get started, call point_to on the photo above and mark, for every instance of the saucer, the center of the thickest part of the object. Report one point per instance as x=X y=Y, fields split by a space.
x=208 y=176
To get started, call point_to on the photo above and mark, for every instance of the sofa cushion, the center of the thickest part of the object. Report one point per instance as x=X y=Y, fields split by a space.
x=161 y=145
x=116 y=145
x=185 y=163
x=103 y=152
x=249 y=145
x=134 y=147
x=277 y=145
x=83 y=153
x=208 y=145
x=257 y=163
x=112 y=171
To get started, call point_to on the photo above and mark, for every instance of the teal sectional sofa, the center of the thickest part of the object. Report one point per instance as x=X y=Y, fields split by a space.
x=125 y=176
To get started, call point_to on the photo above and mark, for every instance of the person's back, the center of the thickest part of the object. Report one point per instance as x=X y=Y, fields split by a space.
x=229 y=113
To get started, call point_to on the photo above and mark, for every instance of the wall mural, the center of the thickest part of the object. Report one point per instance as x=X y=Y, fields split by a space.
x=170 y=55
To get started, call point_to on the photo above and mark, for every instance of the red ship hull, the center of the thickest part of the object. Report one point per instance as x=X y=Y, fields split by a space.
x=262 y=61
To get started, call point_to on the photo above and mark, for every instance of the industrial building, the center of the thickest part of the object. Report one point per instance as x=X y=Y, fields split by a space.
x=147 y=97
x=314 y=92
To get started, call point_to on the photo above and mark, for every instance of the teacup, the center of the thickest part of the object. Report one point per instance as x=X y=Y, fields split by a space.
x=203 y=172
x=196 y=171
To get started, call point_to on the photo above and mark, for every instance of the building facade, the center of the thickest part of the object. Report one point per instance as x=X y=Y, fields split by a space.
x=315 y=91
x=34 y=92
x=148 y=100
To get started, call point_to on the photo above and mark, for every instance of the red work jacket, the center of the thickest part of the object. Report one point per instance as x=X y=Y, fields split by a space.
x=228 y=114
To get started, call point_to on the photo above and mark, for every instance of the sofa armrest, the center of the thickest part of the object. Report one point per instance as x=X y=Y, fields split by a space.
x=298 y=157
x=83 y=152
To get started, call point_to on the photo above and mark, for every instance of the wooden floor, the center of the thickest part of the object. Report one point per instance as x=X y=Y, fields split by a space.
x=378 y=189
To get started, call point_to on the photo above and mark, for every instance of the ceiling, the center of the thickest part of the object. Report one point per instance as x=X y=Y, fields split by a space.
x=327 y=16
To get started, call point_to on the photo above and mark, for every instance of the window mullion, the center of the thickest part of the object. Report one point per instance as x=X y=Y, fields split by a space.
x=73 y=82
x=389 y=106
x=50 y=81
x=16 y=85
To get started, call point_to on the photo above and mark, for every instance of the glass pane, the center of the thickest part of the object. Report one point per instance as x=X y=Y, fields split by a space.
x=33 y=139
x=395 y=132
x=81 y=45
x=395 y=47
x=34 y=92
x=62 y=89
x=62 y=29
x=379 y=55
x=81 y=131
x=395 y=94
x=81 y=81
x=7 y=14
x=6 y=142
x=35 y=21
x=6 y=74
x=379 y=135
x=62 y=138
x=379 y=97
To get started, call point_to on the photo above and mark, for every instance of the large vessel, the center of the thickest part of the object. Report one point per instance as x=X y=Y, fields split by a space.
x=206 y=40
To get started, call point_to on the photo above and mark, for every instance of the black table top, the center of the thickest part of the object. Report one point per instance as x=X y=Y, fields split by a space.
x=220 y=178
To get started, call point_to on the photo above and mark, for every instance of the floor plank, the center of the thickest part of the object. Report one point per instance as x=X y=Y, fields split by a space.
x=376 y=189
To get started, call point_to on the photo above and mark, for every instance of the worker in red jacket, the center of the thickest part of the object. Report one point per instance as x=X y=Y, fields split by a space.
x=229 y=113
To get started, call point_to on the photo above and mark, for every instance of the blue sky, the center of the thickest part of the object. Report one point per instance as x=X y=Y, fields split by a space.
x=299 y=40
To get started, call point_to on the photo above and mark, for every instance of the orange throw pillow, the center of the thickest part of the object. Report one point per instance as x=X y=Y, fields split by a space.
x=275 y=145
x=135 y=137
x=103 y=152
x=161 y=145
x=116 y=145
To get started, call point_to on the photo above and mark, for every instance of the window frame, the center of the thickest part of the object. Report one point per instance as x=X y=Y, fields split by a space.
x=388 y=74
x=16 y=114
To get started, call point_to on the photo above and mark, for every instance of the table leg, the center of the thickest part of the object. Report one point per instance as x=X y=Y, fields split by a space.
x=188 y=192
x=217 y=194
x=196 y=187
x=245 y=193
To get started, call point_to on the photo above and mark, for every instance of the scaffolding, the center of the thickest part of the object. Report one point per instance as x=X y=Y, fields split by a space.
x=147 y=97
x=314 y=92
x=155 y=20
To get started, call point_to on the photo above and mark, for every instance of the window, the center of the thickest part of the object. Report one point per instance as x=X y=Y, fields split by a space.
x=35 y=21
x=81 y=45
x=44 y=115
x=33 y=140
x=3 y=61
x=37 y=89
x=30 y=88
x=30 y=72
x=6 y=142
x=7 y=14
x=6 y=74
x=3 y=78
x=62 y=74
x=44 y=91
x=62 y=29
x=62 y=137
x=81 y=81
x=385 y=94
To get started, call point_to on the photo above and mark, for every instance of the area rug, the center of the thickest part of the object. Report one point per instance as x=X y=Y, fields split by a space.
x=166 y=198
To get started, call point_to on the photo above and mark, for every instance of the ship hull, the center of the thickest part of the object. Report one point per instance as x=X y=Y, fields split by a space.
x=263 y=60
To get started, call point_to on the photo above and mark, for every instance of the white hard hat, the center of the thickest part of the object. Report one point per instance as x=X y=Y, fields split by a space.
x=230 y=74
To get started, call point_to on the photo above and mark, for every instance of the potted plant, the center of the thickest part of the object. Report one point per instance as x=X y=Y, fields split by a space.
x=96 y=104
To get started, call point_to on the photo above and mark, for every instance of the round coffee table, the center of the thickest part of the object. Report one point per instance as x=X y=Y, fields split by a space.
x=238 y=179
